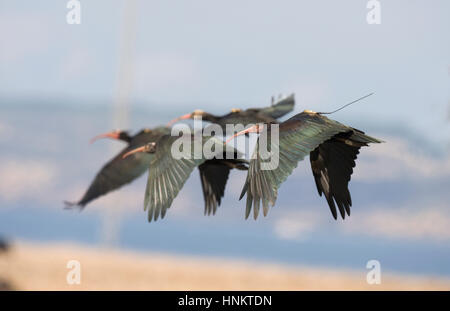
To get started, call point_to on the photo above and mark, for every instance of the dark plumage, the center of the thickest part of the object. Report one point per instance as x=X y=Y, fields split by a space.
x=168 y=174
x=213 y=176
x=332 y=164
x=332 y=146
x=245 y=117
x=118 y=171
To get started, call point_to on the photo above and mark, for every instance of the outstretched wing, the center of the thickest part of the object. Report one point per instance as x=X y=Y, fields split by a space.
x=213 y=176
x=118 y=171
x=281 y=108
x=168 y=172
x=298 y=136
x=332 y=164
x=113 y=175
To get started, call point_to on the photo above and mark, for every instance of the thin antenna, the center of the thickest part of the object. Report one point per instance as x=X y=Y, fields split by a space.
x=361 y=98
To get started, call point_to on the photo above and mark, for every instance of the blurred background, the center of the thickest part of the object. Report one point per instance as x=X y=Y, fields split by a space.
x=135 y=64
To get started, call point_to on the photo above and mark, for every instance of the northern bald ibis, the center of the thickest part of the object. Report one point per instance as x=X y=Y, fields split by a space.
x=118 y=172
x=332 y=148
x=245 y=117
x=168 y=173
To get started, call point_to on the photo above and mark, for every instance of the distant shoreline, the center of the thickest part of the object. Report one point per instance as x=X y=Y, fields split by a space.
x=36 y=266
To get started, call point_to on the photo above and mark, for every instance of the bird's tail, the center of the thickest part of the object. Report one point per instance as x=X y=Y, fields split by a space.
x=282 y=107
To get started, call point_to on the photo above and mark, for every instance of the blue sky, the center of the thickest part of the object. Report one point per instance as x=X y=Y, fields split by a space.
x=202 y=54
x=60 y=81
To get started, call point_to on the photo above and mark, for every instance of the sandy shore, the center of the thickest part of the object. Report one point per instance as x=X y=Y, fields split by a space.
x=44 y=267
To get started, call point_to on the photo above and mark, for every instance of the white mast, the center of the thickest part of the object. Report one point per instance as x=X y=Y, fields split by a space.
x=112 y=215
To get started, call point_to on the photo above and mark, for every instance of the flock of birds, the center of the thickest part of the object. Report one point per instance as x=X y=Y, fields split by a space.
x=332 y=148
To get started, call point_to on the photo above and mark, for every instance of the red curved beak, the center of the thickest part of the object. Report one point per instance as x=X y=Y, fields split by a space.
x=252 y=129
x=184 y=117
x=113 y=135
x=140 y=149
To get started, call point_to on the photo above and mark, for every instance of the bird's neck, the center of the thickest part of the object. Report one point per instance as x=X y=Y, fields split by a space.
x=126 y=138
x=210 y=118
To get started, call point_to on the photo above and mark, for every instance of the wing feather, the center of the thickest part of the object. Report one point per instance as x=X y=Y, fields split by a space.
x=213 y=176
x=332 y=164
x=118 y=171
x=281 y=108
x=167 y=175
x=298 y=137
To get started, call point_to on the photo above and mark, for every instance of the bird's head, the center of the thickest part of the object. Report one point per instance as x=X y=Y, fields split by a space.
x=116 y=134
x=147 y=148
x=257 y=128
x=197 y=113
x=192 y=115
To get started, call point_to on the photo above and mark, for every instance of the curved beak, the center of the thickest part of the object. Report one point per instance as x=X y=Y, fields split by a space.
x=113 y=135
x=252 y=129
x=137 y=150
x=184 y=117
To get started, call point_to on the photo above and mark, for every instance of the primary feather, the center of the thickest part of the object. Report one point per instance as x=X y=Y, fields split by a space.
x=168 y=174
x=332 y=147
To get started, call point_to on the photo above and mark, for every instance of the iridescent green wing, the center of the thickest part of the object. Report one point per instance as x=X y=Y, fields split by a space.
x=281 y=108
x=169 y=170
x=118 y=171
x=298 y=136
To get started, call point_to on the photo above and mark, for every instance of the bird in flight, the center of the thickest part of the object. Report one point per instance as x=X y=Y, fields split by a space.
x=168 y=173
x=245 y=117
x=332 y=148
x=118 y=171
